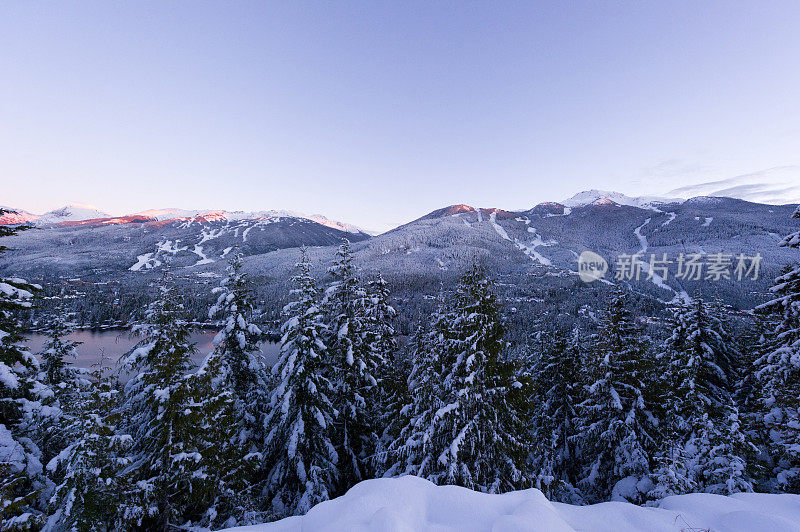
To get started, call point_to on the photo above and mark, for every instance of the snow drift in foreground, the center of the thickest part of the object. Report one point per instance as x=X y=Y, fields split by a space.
x=413 y=504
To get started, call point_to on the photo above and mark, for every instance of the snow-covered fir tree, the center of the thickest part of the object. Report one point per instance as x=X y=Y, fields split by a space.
x=356 y=371
x=380 y=315
x=618 y=430
x=558 y=391
x=232 y=387
x=161 y=415
x=21 y=472
x=55 y=428
x=237 y=346
x=225 y=487
x=778 y=370
x=58 y=352
x=747 y=391
x=299 y=445
x=672 y=474
x=90 y=470
x=410 y=448
x=706 y=449
x=392 y=374
x=469 y=428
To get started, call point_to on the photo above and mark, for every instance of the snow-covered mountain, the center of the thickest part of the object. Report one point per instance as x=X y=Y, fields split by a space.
x=89 y=215
x=236 y=216
x=13 y=216
x=589 y=197
x=69 y=213
x=533 y=253
x=74 y=212
x=150 y=240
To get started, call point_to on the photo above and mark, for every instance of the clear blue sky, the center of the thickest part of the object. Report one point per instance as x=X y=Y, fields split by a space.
x=377 y=112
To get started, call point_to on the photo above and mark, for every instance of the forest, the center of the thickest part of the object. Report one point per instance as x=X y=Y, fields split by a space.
x=705 y=401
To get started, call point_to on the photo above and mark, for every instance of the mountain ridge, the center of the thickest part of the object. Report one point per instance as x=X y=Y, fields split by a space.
x=87 y=215
x=532 y=254
x=80 y=214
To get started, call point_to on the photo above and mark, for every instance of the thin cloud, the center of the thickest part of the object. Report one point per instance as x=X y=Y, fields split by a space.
x=779 y=184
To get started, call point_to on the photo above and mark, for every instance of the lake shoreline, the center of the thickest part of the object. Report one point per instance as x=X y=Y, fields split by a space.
x=272 y=337
x=113 y=344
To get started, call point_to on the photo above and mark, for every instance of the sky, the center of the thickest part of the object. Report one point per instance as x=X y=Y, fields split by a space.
x=378 y=112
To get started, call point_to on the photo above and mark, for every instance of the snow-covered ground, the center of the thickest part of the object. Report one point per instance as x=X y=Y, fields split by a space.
x=412 y=504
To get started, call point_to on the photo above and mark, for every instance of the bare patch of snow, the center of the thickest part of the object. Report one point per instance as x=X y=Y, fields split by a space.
x=198 y=250
x=146 y=261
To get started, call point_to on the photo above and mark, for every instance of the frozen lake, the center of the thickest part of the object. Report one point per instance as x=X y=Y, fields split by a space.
x=114 y=344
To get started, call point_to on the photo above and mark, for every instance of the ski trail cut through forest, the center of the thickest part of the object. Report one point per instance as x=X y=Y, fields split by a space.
x=498 y=229
x=530 y=249
x=652 y=275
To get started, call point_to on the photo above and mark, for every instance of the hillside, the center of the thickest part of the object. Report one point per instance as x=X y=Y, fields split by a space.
x=532 y=253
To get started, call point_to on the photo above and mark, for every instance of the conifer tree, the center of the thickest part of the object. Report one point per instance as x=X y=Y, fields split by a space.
x=559 y=391
x=393 y=372
x=161 y=416
x=618 y=431
x=409 y=451
x=237 y=346
x=470 y=429
x=379 y=313
x=748 y=393
x=299 y=445
x=778 y=370
x=92 y=482
x=356 y=365
x=706 y=449
x=225 y=487
x=56 y=424
x=21 y=479
x=58 y=352
x=672 y=474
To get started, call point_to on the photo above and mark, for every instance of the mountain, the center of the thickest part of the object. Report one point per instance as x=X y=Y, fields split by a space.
x=533 y=254
x=88 y=215
x=13 y=216
x=589 y=197
x=109 y=248
x=235 y=216
x=70 y=213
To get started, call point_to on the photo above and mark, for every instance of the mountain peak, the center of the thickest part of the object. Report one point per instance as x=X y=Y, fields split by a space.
x=12 y=216
x=73 y=212
x=606 y=197
x=448 y=211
